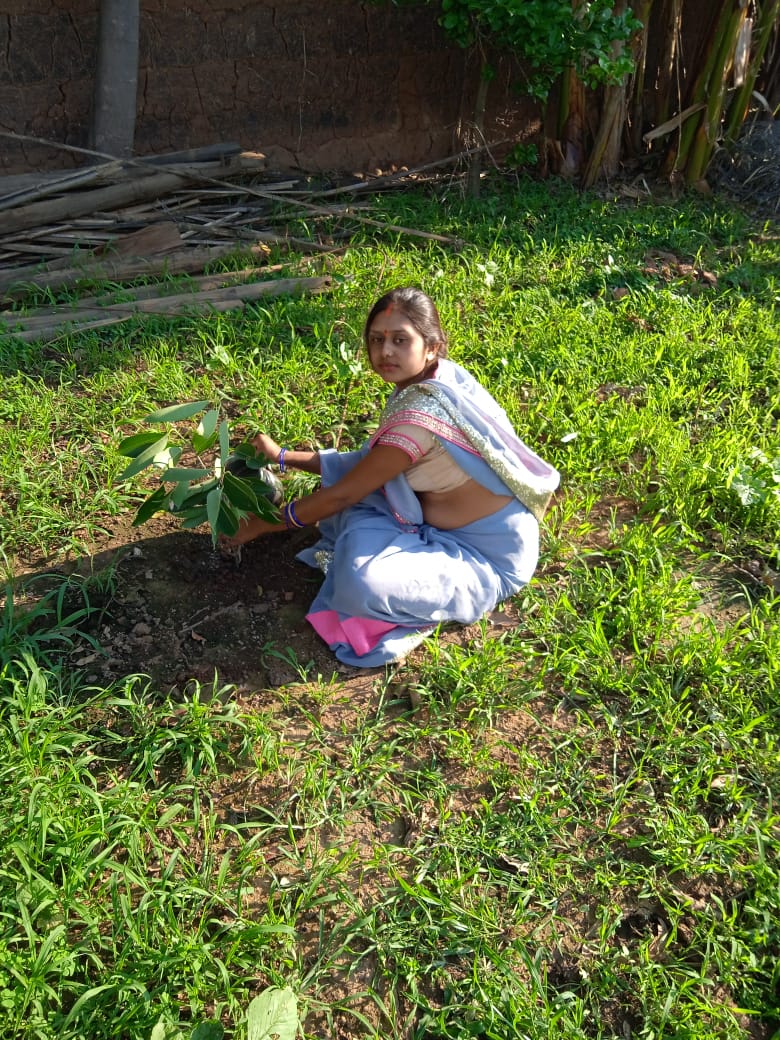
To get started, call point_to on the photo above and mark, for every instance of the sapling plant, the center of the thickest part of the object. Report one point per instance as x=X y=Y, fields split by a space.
x=225 y=484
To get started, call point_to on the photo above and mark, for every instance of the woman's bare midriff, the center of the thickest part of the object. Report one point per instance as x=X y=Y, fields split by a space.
x=463 y=505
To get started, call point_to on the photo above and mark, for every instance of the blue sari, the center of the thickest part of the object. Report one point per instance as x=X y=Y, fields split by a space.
x=391 y=578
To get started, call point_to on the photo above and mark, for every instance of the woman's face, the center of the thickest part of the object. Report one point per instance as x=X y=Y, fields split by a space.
x=396 y=350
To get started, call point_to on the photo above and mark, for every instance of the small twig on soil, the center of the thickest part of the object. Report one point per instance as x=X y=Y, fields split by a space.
x=209 y=617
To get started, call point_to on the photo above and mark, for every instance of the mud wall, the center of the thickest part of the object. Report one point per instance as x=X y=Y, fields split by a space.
x=333 y=85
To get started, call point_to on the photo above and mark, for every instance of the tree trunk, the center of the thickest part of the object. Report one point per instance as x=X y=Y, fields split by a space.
x=116 y=78
x=571 y=125
x=480 y=103
x=604 y=159
x=642 y=11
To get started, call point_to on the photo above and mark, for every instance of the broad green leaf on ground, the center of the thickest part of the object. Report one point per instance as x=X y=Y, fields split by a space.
x=274 y=1014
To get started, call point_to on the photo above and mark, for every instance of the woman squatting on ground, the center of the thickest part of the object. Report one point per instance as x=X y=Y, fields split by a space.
x=435 y=519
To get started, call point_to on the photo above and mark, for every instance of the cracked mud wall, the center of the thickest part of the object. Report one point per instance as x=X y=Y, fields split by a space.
x=330 y=86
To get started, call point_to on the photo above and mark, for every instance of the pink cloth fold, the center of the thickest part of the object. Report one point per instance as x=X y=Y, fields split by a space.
x=362 y=634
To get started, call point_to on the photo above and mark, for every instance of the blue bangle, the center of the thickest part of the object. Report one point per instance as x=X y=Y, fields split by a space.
x=280 y=460
x=291 y=521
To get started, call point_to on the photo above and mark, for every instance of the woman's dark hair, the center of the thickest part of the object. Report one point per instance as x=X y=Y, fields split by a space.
x=419 y=309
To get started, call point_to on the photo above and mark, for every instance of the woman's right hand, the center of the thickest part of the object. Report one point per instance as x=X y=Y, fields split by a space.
x=267 y=446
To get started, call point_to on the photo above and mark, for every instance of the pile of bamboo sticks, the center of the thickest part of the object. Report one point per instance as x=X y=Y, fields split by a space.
x=162 y=216
x=118 y=221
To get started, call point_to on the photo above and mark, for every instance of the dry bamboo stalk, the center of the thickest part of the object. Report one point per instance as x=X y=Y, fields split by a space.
x=17 y=282
x=13 y=183
x=231 y=298
x=77 y=179
x=248 y=189
x=671 y=124
x=196 y=283
x=146 y=185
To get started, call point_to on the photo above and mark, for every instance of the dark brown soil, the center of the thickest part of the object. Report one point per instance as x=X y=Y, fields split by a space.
x=180 y=611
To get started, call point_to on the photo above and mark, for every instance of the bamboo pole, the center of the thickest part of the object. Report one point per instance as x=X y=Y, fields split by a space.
x=18 y=282
x=145 y=185
x=707 y=130
x=234 y=297
x=738 y=108
x=247 y=189
x=710 y=72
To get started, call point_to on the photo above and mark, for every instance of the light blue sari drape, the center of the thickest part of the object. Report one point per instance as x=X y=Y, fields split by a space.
x=390 y=578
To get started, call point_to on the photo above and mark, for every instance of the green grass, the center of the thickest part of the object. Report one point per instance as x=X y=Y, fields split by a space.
x=575 y=832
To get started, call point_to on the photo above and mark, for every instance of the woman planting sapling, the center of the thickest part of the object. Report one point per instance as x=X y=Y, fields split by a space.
x=435 y=519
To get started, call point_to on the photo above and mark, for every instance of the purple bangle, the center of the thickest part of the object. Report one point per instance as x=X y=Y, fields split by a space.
x=291 y=521
x=282 y=452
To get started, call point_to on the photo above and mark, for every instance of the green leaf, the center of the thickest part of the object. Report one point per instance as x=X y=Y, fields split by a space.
x=157 y=501
x=273 y=1014
x=132 y=446
x=227 y=522
x=247 y=451
x=206 y=432
x=179 y=496
x=176 y=474
x=211 y=1030
x=193 y=519
x=176 y=412
x=213 y=504
x=170 y=814
x=240 y=493
x=265 y=508
x=195 y=495
x=145 y=458
x=224 y=443
x=166 y=1031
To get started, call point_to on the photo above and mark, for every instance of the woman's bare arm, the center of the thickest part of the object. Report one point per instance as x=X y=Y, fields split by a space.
x=308 y=461
x=379 y=466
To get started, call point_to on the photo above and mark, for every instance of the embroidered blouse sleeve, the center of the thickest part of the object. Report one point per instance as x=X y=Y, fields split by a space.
x=414 y=440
